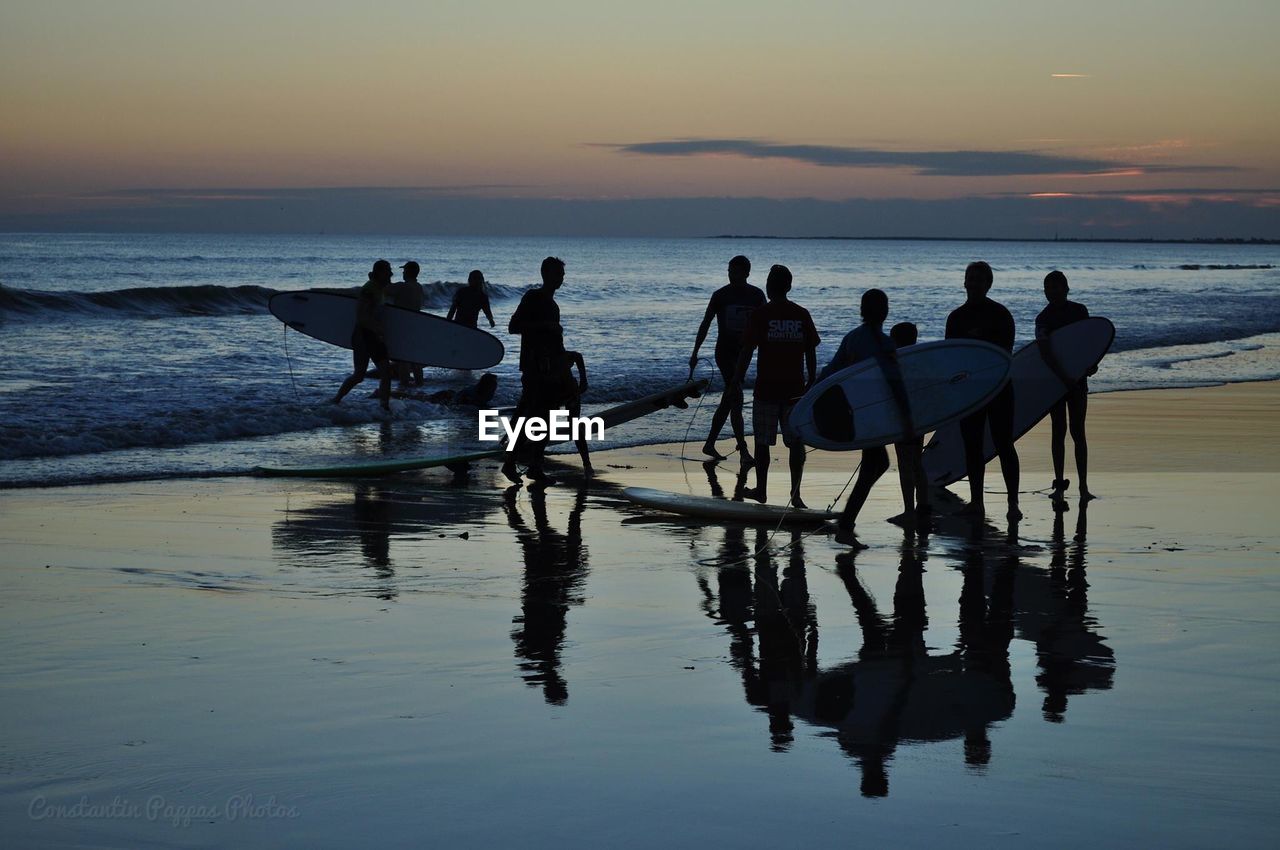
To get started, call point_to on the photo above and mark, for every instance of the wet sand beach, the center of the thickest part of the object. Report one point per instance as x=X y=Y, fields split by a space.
x=418 y=661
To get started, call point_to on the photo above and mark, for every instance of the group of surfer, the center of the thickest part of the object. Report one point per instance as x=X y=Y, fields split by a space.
x=782 y=336
x=546 y=367
x=367 y=338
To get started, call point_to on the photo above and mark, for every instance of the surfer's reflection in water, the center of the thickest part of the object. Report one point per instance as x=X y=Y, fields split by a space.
x=322 y=535
x=555 y=570
x=894 y=691
x=748 y=591
x=1053 y=612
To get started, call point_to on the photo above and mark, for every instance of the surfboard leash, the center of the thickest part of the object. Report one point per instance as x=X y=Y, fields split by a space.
x=289 y=360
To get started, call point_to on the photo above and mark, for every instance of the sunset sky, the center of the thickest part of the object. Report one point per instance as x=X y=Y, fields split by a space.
x=1135 y=115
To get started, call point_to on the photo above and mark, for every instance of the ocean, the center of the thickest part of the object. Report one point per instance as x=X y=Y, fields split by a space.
x=144 y=356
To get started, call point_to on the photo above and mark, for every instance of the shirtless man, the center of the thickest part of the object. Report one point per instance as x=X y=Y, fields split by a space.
x=730 y=307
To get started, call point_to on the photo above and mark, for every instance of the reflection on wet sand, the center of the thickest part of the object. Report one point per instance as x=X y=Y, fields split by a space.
x=895 y=691
x=555 y=570
x=363 y=521
x=1053 y=613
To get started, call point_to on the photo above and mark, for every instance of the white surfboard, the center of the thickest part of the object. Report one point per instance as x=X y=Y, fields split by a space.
x=412 y=337
x=707 y=507
x=1078 y=347
x=855 y=407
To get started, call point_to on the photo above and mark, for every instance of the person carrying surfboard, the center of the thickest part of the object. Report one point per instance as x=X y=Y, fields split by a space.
x=367 y=342
x=866 y=341
x=537 y=321
x=1059 y=313
x=407 y=293
x=981 y=318
x=730 y=307
x=785 y=335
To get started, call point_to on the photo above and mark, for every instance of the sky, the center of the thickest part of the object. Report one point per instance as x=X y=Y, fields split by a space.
x=987 y=118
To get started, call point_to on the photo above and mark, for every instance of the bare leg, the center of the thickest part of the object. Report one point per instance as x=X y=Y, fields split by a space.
x=717 y=424
x=384 y=388
x=1000 y=420
x=973 y=430
x=907 y=463
x=1078 y=406
x=360 y=365
x=923 y=504
x=1057 y=444
x=874 y=464
x=739 y=429
x=760 y=491
x=797 y=474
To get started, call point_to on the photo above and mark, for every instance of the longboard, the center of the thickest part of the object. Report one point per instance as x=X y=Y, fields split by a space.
x=1078 y=347
x=855 y=407
x=614 y=416
x=412 y=336
x=707 y=507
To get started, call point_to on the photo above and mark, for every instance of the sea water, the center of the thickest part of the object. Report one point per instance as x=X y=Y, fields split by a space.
x=144 y=356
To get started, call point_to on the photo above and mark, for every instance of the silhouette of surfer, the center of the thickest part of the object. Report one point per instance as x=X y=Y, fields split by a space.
x=470 y=300
x=984 y=319
x=911 y=477
x=542 y=358
x=865 y=341
x=784 y=333
x=367 y=341
x=1059 y=313
x=730 y=307
x=407 y=293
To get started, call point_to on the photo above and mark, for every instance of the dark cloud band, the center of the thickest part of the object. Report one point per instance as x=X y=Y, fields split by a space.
x=931 y=163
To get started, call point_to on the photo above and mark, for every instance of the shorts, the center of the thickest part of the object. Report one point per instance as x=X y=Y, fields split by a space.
x=770 y=417
x=367 y=345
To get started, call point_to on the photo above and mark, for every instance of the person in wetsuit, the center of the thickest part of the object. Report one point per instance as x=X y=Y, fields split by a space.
x=730 y=307
x=542 y=357
x=367 y=342
x=469 y=301
x=1059 y=313
x=784 y=333
x=981 y=318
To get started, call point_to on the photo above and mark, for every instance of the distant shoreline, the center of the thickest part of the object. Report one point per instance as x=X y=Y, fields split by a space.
x=1221 y=241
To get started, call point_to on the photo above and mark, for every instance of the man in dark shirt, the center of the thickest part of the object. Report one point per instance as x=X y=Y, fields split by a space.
x=1058 y=314
x=537 y=321
x=469 y=301
x=788 y=343
x=730 y=306
x=983 y=319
